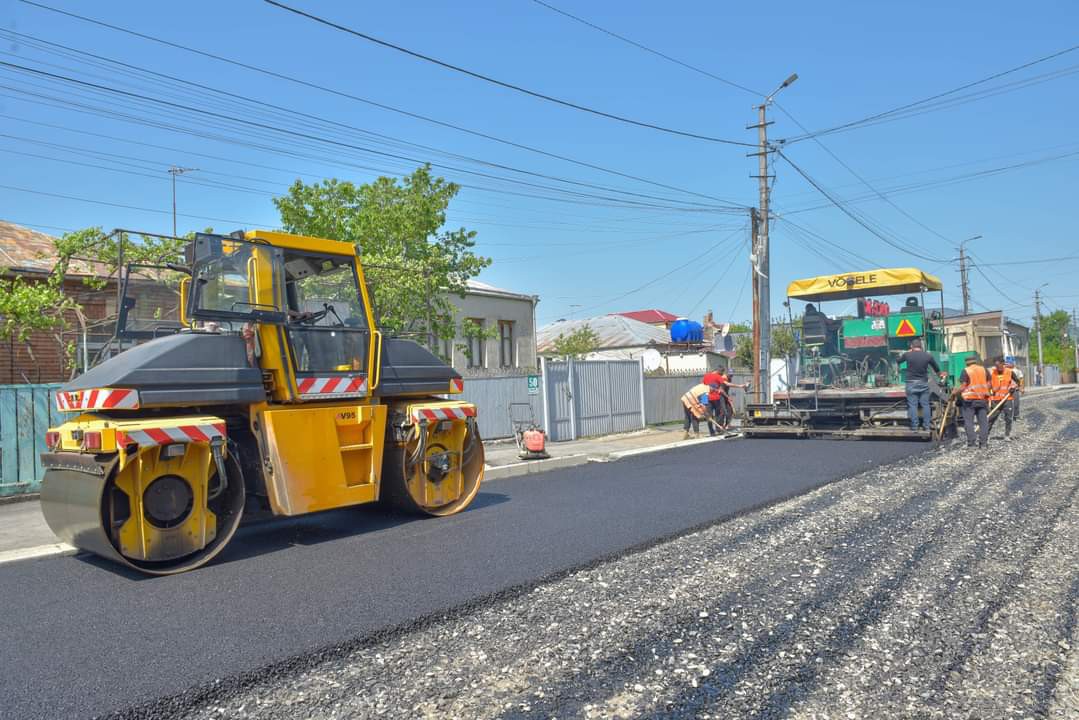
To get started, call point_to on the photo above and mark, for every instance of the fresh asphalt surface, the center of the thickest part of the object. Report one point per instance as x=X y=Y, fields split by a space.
x=80 y=638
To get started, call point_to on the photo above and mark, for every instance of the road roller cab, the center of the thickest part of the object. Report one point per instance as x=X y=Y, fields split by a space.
x=269 y=389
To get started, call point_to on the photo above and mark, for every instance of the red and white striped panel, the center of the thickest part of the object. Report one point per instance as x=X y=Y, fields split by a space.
x=98 y=399
x=327 y=387
x=457 y=385
x=455 y=412
x=167 y=435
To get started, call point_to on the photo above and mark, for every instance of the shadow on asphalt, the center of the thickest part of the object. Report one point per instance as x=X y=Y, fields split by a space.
x=275 y=534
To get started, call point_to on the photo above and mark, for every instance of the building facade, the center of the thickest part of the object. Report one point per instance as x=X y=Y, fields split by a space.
x=990 y=334
x=508 y=323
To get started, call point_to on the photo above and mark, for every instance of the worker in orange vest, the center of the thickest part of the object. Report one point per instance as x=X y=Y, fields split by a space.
x=975 y=389
x=695 y=405
x=1005 y=387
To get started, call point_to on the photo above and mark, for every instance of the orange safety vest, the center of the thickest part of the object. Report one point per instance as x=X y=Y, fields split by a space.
x=978 y=387
x=1002 y=384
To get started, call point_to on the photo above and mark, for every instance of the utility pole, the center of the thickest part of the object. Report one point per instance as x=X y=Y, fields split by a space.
x=754 y=224
x=174 y=171
x=1038 y=327
x=762 y=318
x=1075 y=343
x=964 y=279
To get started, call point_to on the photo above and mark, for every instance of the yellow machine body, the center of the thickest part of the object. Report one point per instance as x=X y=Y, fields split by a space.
x=163 y=492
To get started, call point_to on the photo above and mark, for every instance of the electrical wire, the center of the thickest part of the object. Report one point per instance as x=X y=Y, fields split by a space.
x=853 y=216
x=277 y=127
x=861 y=179
x=647 y=49
x=32 y=191
x=653 y=281
x=923 y=101
x=501 y=83
x=367 y=101
x=333 y=142
x=856 y=256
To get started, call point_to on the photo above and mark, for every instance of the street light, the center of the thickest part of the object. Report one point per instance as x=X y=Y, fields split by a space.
x=789 y=81
x=1038 y=322
x=174 y=171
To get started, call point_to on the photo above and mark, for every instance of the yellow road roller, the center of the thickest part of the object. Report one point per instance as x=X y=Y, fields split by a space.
x=272 y=391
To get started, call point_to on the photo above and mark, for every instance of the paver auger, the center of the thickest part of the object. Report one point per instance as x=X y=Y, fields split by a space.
x=274 y=391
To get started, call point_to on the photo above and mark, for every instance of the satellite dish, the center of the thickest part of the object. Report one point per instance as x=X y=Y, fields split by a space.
x=725 y=330
x=651 y=359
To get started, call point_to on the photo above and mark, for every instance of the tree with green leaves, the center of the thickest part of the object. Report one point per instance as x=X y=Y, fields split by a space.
x=577 y=344
x=1057 y=342
x=743 y=351
x=412 y=262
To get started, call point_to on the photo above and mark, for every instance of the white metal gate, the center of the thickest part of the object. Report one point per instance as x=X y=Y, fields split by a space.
x=592 y=397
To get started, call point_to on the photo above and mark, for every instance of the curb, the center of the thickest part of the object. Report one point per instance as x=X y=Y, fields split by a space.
x=501 y=472
x=619 y=454
x=535 y=467
x=26 y=497
x=9 y=556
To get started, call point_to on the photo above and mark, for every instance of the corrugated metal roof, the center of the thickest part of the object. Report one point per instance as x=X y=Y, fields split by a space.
x=486 y=289
x=614 y=331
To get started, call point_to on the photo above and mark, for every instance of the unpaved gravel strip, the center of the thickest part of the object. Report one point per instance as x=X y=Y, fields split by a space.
x=945 y=589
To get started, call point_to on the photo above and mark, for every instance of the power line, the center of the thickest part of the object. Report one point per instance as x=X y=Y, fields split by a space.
x=368 y=101
x=307 y=136
x=1041 y=261
x=711 y=289
x=861 y=179
x=647 y=49
x=931 y=98
x=308 y=116
x=45 y=193
x=994 y=286
x=667 y=274
x=500 y=83
x=852 y=215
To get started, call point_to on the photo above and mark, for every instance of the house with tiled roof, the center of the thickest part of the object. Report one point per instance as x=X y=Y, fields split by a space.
x=656 y=318
x=43 y=357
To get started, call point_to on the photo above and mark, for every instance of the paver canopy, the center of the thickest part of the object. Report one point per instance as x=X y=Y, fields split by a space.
x=894 y=281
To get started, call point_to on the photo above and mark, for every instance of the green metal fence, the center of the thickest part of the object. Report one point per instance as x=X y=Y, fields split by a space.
x=26 y=412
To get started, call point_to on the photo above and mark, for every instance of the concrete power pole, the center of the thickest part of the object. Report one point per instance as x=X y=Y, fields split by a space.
x=754 y=223
x=762 y=318
x=1075 y=342
x=963 y=279
x=1038 y=327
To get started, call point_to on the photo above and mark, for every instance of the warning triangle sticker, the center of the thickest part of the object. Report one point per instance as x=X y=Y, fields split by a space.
x=905 y=329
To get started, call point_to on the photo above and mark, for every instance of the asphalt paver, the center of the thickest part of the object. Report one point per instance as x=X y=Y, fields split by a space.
x=945 y=585
x=81 y=637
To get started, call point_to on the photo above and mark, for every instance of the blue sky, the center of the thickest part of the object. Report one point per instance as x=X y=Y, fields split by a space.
x=584 y=254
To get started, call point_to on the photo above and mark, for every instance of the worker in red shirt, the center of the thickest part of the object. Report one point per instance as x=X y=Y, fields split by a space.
x=719 y=401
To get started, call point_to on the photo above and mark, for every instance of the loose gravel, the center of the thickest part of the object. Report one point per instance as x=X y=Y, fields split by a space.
x=943 y=587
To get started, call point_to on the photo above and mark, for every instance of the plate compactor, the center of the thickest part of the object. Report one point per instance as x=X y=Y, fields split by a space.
x=272 y=391
x=530 y=438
